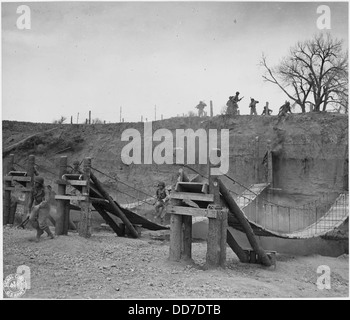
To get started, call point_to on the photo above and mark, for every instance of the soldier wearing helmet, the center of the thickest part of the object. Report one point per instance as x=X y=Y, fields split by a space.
x=162 y=198
x=76 y=167
x=39 y=209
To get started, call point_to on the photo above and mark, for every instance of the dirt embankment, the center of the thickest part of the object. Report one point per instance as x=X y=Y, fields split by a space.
x=310 y=153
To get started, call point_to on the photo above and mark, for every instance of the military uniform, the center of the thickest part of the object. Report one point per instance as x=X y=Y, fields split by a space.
x=162 y=198
x=39 y=213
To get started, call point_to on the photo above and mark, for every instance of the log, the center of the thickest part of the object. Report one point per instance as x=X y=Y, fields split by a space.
x=175 y=237
x=85 y=213
x=235 y=210
x=61 y=206
x=242 y=256
x=187 y=238
x=7 y=198
x=115 y=208
x=109 y=220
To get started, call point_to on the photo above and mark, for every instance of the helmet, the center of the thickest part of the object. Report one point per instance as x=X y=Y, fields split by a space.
x=237 y=93
x=39 y=180
x=161 y=184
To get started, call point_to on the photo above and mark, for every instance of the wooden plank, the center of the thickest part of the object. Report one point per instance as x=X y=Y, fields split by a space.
x=66 y=197
x=195 y=187
x=21 y=189
x=189 y=211
x=72 y=182
x=192 y=196
x=15 y=178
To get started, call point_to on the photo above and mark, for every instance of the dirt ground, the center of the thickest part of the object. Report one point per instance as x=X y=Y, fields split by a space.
x=110 y=267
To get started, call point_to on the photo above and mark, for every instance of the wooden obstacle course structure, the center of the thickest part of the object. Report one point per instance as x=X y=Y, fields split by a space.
x=25 y=178
x=91 y=193
x=205 y=204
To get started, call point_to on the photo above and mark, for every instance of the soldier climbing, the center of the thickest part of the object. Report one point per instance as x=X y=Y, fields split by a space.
x=162 y=195
x=266 y=111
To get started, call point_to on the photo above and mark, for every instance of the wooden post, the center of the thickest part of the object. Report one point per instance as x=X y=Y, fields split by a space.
x=115 y=208
x=211 y=109
x=30 y=184
x=61 y=205
x=71 y=119
x=187 y=238
x=217 y=229
x=89 y=117
x=7 y=198
x=85 y=214
x=233 y=207
x=175 y=245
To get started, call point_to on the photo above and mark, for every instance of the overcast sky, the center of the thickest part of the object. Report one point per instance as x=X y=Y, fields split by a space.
x=100 y=56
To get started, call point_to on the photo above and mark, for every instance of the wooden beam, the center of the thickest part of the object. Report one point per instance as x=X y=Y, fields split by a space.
x=236 y=211
x=241 y=254
x=15 y=178
x=61 y=197
x=30 y=183
x=67 y=197
x=85 y=214
x=71 y=182
x=192 y=196
x=189 y=211
x=115 y=208
x=186 y=250
x=7 y=196
x=175 y=245
x=109 y=220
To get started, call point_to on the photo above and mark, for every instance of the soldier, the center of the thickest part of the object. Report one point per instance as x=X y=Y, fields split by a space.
x=200 y=108
x=252 y=106
x=235 y=101
x=285 y=109
x=266 y=111
x=39 y=213
x=76 y=168
x=162 y=198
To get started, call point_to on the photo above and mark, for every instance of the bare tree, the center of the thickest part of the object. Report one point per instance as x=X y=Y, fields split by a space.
x=315 y=72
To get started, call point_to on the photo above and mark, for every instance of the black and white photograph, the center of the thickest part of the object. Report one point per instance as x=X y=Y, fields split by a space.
x=178 y=152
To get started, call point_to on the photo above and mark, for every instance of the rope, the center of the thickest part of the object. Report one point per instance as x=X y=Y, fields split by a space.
x=119 y=181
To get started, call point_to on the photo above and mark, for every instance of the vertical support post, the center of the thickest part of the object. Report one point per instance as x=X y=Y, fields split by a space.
x=211 y=109
x=217 y=228
x=30 y=184
x=187 y=237
x=85 y=215
x=7 y=199
x=89 y=116
x=175 y=237
x=61 y=204
x=71 y=119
